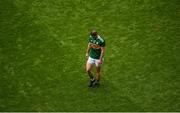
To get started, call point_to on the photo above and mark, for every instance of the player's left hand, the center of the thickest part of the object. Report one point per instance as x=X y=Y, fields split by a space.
x=100 y=62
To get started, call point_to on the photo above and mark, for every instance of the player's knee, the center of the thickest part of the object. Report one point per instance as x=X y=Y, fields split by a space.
x=97 y=73
x=88 y=71
x=98 y=70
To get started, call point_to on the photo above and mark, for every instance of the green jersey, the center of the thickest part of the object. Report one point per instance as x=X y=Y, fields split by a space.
x=95 y=45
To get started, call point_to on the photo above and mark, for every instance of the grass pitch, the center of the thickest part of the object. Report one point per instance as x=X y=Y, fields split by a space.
x=42 y=55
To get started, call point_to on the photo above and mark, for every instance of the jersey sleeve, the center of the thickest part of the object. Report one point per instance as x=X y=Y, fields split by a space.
x=102 y=44
x=89 y=39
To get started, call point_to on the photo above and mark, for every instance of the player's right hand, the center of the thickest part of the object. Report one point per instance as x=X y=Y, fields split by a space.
x=87 y=55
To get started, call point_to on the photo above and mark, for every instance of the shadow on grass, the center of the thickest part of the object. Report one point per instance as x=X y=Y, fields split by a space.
x=112 y=98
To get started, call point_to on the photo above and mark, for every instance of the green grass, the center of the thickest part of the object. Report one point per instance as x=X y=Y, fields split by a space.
x=42 y=55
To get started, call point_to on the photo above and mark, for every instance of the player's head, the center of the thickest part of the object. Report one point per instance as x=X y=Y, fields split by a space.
x=94 y=33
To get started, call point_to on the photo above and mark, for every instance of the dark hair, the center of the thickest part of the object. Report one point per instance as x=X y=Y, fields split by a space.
x=94 y=33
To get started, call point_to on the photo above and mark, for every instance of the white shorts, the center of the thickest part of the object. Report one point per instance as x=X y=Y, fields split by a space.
x=93 y=61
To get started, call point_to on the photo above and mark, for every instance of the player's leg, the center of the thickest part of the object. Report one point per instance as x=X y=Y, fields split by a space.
x=89 y=66
x=88 y=70
x=98 y=73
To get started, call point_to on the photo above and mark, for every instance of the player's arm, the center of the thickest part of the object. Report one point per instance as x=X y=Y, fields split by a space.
x=102 y=51
x=102 y=54
x=87 y=50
